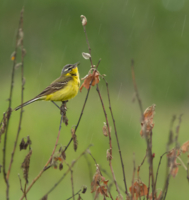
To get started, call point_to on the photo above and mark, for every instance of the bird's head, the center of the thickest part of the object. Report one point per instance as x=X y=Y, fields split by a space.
x=70 y=69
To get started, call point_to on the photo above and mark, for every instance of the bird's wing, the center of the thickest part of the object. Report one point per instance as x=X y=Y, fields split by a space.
x=58 y=84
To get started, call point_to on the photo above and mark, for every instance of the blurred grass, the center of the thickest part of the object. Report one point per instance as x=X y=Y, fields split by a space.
x=149 y=32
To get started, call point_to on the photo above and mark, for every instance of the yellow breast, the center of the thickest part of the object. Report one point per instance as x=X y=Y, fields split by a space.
x=68 y=92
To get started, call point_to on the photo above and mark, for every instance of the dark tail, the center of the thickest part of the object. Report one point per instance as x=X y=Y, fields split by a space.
x=26 y=103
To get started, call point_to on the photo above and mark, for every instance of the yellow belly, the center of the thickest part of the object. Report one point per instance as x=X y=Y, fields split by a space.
x=68 y=92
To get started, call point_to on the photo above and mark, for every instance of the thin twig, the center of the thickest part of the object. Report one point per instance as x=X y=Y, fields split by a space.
x=20 y=183
x=84 y=29
x=9 y=108
x=110 y=141
x=138 y=170
x=134 y=169
x=109 y=176
x=158 y=168
x=173 y=158
x=148 y=184
x=22 y=97
x=74 y=195
x=41 y=172
x=188 y=171
x=71 y=166
x=136 y=89
x=115 y=130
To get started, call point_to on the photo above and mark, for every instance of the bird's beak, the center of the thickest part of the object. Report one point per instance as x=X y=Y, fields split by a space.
x=76 y=64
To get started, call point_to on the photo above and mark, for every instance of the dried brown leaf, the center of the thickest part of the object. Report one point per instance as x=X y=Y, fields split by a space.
x=74 y=137
x=25 y=165
x=185 y=147
x=147 y=123
x=138 y=189
x=60 y=166
x=88 y=80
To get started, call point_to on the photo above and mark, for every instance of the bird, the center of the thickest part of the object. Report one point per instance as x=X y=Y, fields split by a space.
x=62 y=89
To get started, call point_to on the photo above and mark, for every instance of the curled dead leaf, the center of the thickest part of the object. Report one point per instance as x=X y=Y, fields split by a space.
x=138 y=189
x=147 y=124
x=185 y=147
x=91 y=77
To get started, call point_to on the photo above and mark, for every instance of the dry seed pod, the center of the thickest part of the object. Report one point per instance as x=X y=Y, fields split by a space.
x=86 y=55
x=108 y=155
x=84 y=20
x=105 y=129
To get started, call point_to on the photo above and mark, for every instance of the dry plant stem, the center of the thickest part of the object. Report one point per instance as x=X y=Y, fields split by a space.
x=71 y=166
x=9 y=108
x=151 y=165
x=88 y=44
x=20 y=183
x=90 y=169
x=74 y=195
x=86 y=98
x=101 y=174
x=148 y=141
x=138 y=170
x=109 y=176
x=115 y=130
x=174 y=156
x=25 y=191
x=22 y=97
x=188 y=171
x=158 y=168
x=134 y=169
x=48 y=162
x=106 y=117
x=110 y=140
x=135 y=87
x=148 y=184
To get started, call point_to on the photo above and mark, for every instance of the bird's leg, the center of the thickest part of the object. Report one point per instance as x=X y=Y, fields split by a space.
x=63 y=110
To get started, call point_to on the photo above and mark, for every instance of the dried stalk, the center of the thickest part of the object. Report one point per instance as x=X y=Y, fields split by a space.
x=110 y=140
x=22 y=97
x=41 y=172
x=71 y=166
x=9 y=108
x=115 y=130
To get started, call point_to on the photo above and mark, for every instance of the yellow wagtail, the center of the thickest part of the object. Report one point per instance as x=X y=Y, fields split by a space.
x=62 y=89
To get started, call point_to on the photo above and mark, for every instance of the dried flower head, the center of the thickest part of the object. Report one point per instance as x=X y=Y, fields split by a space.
x=105 y=129
x=108 y=154
x=83 y=20
x=86 y=55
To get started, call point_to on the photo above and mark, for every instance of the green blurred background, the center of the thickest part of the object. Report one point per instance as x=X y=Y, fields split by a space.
x=153 y=33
